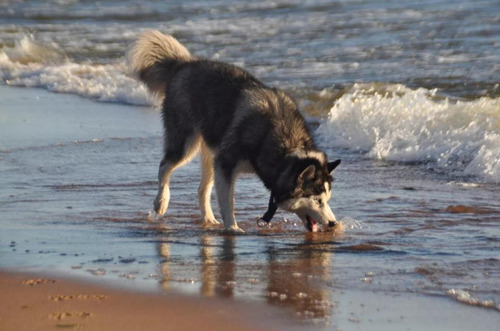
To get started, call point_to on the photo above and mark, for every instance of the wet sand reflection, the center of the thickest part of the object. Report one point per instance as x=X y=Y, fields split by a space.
x=297 y=280
x=293 y=276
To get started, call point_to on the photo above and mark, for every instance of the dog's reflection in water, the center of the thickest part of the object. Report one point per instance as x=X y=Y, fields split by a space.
x=297 y=279
x=290 y=276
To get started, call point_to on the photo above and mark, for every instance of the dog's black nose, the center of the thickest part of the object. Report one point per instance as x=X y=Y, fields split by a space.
x=331 y=224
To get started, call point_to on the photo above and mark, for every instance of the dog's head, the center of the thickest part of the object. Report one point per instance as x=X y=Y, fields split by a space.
x=304 y=188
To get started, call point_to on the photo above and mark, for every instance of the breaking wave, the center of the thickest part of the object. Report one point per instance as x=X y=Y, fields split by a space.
x=396 y=123
x=386 y=121
x=31 y=64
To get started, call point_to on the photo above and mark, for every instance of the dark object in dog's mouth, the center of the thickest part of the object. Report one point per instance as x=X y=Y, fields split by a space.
x=312 y=225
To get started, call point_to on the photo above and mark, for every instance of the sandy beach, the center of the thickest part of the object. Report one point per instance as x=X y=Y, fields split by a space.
x=41 y=302
x=34 y=302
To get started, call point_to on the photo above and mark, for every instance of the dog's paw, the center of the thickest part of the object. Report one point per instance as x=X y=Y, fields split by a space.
x=234 y=230
x=160 y=206
x=209 y=222
x=153 y=216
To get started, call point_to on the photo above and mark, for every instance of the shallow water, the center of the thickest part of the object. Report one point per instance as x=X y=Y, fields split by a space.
x=406 y=93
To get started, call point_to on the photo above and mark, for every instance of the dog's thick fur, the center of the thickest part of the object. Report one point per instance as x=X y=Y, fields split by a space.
x=239 y=125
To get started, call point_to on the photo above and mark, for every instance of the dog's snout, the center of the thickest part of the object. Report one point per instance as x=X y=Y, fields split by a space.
x=331 y=224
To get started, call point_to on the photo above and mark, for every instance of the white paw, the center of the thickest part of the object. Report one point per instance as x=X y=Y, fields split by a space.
x=208 y=222
x=160 y=206
x=153 y=216
x=234 y=229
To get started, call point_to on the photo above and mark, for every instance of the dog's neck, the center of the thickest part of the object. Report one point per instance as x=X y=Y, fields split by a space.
x=270 y=168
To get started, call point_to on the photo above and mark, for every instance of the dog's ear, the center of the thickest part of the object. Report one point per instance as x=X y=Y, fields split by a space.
x=332 y=165
x=308 y=173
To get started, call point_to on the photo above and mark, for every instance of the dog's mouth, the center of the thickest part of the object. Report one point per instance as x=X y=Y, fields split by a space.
x=312 y=225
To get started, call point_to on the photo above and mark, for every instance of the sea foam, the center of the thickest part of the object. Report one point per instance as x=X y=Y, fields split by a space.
x=396 y=123
x=31 y=64
x=387 y=121
x=465 y=297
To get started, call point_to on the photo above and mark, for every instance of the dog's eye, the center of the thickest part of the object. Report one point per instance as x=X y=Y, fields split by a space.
x=319 y=202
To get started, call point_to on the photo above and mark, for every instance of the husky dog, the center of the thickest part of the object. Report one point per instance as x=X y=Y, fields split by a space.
x=239 y=125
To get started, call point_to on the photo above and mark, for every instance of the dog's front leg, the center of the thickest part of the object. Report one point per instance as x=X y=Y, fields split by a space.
x=224 y=185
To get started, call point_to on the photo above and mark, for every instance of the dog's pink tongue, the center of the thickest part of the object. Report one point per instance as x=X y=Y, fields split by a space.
x=314 y=225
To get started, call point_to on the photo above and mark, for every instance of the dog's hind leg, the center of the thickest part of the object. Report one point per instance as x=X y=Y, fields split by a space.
x=206 y=184
x=225 y=177
x=162 y=199
x=176 y=155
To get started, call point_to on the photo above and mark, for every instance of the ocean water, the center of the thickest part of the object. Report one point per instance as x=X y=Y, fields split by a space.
x=407 y=93
x=434 y=63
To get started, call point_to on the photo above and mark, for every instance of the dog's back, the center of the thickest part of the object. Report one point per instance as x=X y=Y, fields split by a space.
x=156 y=59
x=216 y=97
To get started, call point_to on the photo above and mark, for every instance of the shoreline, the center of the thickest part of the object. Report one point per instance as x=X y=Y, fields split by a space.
x=47 y=301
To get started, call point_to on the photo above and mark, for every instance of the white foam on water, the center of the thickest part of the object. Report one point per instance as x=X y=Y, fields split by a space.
x=467 y=298
x=390 y=122
x=153 y=216
x=394 y=122
x=352 y=224
x=463 y=184
x=31 y=64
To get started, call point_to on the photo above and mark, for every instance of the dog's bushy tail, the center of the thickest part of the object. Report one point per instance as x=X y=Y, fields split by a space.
x=153 y=57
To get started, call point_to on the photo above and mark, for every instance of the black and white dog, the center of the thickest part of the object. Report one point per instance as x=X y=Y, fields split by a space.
x=239 y=125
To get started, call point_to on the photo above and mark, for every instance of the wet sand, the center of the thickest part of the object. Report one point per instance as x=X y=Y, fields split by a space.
x=42 y=302
x=35 y=302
